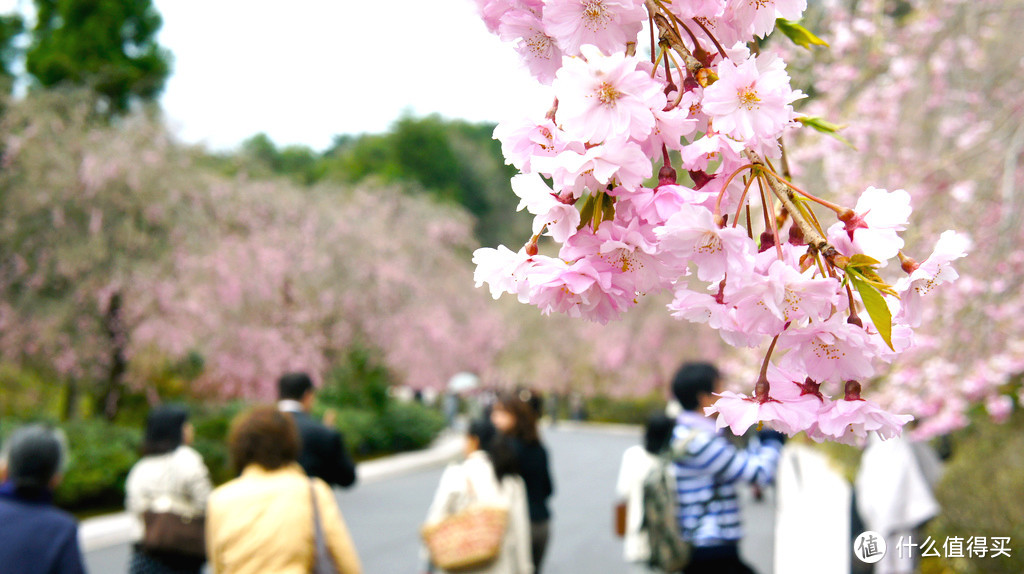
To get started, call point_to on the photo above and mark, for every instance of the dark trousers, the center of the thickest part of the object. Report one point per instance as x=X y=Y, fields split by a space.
x=717 y=560
x=540 y=533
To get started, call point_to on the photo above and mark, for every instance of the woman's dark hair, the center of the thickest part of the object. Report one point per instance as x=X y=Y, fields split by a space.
x=164 y=429
x=525 y=428
x=499 y=448
x=658 y=433
x=263 y=436
x=691 y=381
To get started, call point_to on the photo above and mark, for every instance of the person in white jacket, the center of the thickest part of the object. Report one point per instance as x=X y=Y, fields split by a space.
x=488 y=475
x=170 y=477
x=637 y=463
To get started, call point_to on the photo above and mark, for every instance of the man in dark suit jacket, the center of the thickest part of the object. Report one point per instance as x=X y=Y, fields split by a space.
x=323 y=448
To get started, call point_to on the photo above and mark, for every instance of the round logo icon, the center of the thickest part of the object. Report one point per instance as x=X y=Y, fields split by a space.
x=869 y=547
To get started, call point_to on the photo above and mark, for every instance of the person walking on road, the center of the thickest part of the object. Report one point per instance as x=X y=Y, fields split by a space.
x=170 y=477
x=489 y=476
x=267 y=519
x=637 y=463
x=708 y=468
x=514 y=417
x=35 y=536
x=323 y=448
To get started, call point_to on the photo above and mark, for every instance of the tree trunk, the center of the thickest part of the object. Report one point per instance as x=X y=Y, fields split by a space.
x=114 y=327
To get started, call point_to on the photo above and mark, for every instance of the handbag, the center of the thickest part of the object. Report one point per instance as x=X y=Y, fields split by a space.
x=172 y=533
x=323 y=562
x=467 y=539
x=620 y=518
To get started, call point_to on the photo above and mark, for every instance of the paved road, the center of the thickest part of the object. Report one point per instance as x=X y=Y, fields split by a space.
x=384 y=516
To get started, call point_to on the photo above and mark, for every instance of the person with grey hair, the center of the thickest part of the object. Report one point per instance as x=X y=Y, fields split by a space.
x=36 y=536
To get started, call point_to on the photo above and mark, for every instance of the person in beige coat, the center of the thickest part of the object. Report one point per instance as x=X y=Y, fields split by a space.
x=262 y=521
x=489 y=476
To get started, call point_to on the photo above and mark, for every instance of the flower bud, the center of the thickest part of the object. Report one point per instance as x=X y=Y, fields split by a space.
x=907 y=264
x=700 y=179
x=852 y=391
x=796 y=235
x=706 y=77
x=666 y=175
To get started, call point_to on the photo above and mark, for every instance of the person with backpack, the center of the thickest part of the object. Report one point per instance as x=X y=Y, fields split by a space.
x=706 y=469
x=637 y=463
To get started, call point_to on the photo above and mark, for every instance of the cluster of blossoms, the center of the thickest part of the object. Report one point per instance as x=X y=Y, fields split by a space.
x=741 y=247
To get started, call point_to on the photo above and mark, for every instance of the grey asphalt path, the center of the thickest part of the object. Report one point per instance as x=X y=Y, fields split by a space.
x=384 y=515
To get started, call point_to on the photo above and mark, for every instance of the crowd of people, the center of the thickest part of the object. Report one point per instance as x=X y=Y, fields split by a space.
x=280 y=513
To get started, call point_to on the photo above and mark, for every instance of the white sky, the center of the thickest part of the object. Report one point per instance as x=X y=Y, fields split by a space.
x=306 y=70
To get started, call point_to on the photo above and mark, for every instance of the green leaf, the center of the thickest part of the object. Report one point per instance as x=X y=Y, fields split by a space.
x=798 y=34
x=598 y=208
x=826 y=127
x=861 y=260
x=875 y=305
x=587 y=213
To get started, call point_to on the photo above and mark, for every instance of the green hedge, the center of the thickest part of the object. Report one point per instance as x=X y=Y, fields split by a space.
x=399 y=427
x=101 y=453
x=100 y=456
x=633 y=410
x=980 y=494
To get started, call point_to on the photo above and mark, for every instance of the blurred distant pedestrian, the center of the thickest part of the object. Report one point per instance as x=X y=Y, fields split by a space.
x=637 y=463
x=272 y=517
x=170 y=478
x=707 y=468
x=323 y=448
x=489 y=476
x=35 y=536
x=894 y=493
x=514 y=417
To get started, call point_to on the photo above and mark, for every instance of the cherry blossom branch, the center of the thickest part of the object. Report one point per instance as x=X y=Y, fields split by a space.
x=782 y=190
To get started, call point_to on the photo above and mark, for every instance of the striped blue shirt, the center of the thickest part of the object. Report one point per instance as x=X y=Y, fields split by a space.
x=707 y=470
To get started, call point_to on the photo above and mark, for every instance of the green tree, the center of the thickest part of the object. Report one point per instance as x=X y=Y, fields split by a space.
x=11 y=26
x=106 y=46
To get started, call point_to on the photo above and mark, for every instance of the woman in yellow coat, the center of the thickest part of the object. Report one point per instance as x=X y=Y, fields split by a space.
x=263 y=521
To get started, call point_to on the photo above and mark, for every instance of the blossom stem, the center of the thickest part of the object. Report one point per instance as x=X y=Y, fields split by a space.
x=679 y=91
x=714 y=40
x=780 y=188
x=774 y=224
x=721 y=194
x=814 y=198
x=669 y=34
x=650 y=26
x=743 y=198
x=762 y=388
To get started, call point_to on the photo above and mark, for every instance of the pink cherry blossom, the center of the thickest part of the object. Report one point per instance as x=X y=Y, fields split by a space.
x=579 y=289
x=616 y=162
x=831 y=350
x=606 y=24
x=751 y=100
x=874 y=227
x=934 y=271
x=850 y=421
x=781 y=297
x=758 y=16
x=498 y=268
x=604 y=96
x=560 y=219
x=692 y=235
x=539 y=51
